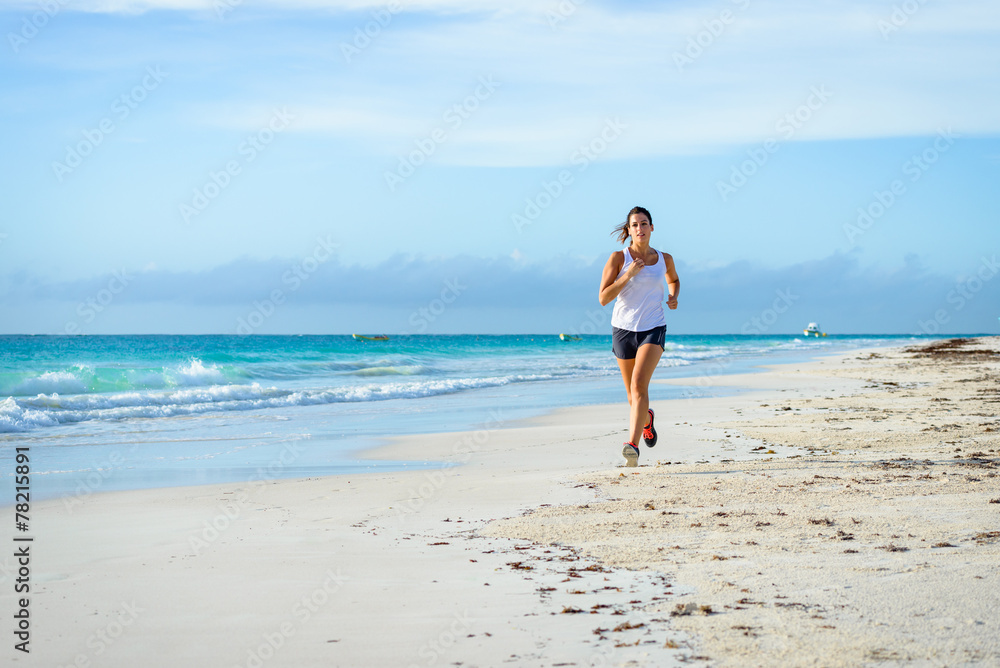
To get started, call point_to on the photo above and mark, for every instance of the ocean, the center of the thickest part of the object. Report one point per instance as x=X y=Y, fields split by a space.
x=102 y=413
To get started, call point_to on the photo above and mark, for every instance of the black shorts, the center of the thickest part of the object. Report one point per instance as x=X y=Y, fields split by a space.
x=625 y=344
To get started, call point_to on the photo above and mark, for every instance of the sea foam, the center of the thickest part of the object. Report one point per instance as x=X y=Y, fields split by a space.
x=46 y=410
x=51 y=381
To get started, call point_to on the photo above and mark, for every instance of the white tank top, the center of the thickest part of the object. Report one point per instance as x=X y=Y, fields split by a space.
x=639 y=306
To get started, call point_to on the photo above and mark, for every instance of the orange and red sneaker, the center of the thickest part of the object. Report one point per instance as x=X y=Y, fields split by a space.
x=648 y=432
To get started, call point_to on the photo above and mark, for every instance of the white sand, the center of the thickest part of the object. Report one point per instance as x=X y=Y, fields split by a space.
x=408 y=569
x=878 y=544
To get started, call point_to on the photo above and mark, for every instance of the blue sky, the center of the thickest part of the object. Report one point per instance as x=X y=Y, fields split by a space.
x=187 y=166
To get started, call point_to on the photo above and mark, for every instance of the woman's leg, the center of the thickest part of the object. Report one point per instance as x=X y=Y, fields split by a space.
x=626 y=367
x=644 y=364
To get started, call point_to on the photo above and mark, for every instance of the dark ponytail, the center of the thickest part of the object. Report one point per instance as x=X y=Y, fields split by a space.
x=622 y=230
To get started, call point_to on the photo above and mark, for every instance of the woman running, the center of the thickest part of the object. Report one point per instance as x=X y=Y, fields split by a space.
x=636 y=277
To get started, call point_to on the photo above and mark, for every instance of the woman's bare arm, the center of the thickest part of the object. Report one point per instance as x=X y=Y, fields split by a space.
x=673 y=281
x=611 y=286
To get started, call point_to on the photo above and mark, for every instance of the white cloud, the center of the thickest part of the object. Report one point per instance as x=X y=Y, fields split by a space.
x=733 y=297
x=140 y=6
x=559 y=85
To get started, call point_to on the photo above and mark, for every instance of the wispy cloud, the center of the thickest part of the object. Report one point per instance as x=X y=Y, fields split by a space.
x=140 y=6
x=613 y=62
x=606 y=59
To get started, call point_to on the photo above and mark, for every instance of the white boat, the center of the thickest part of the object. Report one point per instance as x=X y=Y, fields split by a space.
x=813 y=330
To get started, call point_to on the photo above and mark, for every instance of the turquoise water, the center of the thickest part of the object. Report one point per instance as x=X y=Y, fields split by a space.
x=133 y=411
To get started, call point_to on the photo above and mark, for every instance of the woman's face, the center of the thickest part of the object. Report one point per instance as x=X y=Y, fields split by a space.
x=639 y=227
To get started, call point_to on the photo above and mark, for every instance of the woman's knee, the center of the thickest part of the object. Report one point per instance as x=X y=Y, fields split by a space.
x=639 y=391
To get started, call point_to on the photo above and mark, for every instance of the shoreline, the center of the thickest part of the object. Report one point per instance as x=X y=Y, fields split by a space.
x=143 y=456
x=335 y=561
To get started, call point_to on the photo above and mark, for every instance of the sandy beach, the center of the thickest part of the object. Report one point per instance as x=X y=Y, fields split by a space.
x=876 y=543
x=840 y=512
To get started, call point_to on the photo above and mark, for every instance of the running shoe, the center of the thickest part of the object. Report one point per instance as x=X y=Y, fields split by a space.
x=648 y=433
x=631 y=454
